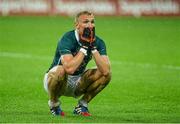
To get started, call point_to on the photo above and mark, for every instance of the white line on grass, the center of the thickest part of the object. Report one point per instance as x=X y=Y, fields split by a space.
x=145 y=65
x=23 y=56
x=142 y=65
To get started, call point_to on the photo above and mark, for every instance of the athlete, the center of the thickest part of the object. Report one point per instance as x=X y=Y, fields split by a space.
x=68 y=76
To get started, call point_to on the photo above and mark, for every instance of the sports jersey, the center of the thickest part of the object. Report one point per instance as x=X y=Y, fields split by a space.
x=69 y=44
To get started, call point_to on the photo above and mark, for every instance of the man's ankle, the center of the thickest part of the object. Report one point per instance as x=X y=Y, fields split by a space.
x=83 y=103
x=53 y=104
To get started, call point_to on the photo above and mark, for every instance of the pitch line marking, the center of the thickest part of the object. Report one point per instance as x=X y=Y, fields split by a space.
x=143 y=65
x=146 y=65
x=23 y=56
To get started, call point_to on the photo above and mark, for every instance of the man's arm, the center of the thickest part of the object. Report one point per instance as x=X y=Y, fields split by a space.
x=71 y=63
x=102 y=62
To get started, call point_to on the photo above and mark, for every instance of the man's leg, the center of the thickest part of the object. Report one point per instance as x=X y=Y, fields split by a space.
x=91 y=83
x=56 y=81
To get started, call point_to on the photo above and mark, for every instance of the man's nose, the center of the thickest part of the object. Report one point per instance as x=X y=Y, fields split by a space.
x=90 y=25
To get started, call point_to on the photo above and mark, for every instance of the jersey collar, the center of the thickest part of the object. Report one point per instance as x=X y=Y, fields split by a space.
x=77 y=36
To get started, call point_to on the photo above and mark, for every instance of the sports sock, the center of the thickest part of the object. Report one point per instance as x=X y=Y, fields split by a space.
x=83 y=103
x=52 y=104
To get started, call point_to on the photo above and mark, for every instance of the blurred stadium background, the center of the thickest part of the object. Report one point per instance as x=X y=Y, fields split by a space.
x=143 y=44
x=99 y=7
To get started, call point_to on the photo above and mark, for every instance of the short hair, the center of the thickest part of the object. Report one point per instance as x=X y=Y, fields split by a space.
x=82 y=13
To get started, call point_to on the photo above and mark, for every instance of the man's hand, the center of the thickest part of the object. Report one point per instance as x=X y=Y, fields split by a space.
x=87 y=37
x=85 y=44
x=93 y=46
x=88 y=34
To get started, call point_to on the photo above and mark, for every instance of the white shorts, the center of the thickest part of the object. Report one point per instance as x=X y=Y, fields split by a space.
x=72 y=82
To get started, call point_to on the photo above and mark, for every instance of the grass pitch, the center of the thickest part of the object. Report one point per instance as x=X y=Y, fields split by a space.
x=145 y=59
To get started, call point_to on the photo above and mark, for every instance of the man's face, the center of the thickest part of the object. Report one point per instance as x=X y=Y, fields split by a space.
x=85 y=21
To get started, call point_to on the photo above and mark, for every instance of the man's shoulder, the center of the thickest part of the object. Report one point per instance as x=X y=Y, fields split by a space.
x=69 y=33
x=101 y=46
x=68 y=36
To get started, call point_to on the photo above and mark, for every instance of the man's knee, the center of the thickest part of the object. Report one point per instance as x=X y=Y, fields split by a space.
x=57 y=73
x=94 y=74
x=108 y=77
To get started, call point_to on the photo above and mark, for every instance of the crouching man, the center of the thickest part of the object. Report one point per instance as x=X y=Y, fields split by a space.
x=68 y=75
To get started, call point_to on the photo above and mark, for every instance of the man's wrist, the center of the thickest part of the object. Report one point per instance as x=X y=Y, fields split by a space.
x=84 y=51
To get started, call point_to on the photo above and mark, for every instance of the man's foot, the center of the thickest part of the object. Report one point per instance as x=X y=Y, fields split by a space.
x=56 y=111
x=81 y=110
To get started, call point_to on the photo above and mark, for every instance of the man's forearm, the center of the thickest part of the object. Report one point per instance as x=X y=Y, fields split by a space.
x=103 y=66
x=74 y=63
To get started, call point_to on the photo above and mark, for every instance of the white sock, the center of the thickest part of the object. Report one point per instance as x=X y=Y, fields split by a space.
x=52 y=104
x=83 y=103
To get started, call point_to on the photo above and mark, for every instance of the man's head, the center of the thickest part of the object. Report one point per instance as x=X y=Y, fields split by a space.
x=84 y=20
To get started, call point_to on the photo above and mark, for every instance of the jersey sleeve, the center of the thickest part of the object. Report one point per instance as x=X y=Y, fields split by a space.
x=102 y=48
x=65 y=46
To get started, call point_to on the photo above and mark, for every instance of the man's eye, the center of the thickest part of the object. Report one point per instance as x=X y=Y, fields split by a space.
x=85 y=21
x=92 y=21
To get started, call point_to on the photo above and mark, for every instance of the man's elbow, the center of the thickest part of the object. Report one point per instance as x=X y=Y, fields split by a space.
x=106 y=72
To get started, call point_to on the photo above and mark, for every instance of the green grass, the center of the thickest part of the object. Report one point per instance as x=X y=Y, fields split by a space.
x=145 y=58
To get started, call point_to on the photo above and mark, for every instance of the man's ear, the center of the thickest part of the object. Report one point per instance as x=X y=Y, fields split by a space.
x=76 y=25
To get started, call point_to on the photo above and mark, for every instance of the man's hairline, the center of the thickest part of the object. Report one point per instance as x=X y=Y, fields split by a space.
x=77 y=18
